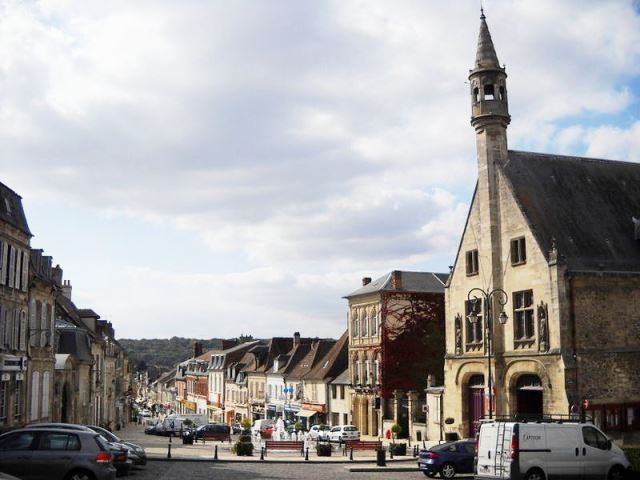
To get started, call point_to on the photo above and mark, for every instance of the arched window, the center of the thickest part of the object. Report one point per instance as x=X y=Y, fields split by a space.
x=476 y=95
x=365 y=323
x=489 y=93
x=374 y=321
x=355 y=324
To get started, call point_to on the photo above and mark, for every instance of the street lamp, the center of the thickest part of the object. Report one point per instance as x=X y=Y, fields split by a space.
x=501 y=297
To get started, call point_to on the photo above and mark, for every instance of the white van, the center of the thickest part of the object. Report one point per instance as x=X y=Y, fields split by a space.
x=259 y=426
x=547 y=450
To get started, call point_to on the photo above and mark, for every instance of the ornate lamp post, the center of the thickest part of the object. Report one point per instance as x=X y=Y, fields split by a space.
x=488 y=297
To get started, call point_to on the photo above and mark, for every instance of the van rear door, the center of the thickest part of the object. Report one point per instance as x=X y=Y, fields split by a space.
x=486 y=449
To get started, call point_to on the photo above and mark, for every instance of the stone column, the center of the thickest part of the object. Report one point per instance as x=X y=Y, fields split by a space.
x=412 y=395
x=397 y=397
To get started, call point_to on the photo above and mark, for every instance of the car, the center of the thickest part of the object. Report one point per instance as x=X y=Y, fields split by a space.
x=319 y=432
x=145 y=412
x=236 y=428
x=547 y=448
x=213 y=431
x=137 y=454
x=342 y=433
x=260 y=427
x=120 y=453
x=56 y=454
x=447 y=459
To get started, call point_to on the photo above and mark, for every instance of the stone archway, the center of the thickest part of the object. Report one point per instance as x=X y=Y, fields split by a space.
x=528 y=393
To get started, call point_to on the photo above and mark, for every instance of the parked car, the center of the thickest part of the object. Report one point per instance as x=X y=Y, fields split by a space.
x=236 y=428
x=56 y=454
x=342 y=433
x=548 y=449
x=447 y=459
x=120 y=453
x=213 y=431
x=137 y=453
x=319 y=432
x=145 y=412
x=261 y=427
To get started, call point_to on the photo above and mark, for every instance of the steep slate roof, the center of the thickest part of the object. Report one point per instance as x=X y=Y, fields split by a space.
x=424 y=282
x=11 y=210
x=342 y=378
x=585 y=205
x=486 y=53
x=317 y=351
x=334 y=362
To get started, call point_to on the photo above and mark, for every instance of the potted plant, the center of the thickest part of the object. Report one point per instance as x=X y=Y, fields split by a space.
x=243 y=447
x=397 y=448
x=323 y=449
x=246 y=426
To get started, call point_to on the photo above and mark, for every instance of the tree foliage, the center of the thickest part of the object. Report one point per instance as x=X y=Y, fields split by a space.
x=159 y=355
x=413 y=343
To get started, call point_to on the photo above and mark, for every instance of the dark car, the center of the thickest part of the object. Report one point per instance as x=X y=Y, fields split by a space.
x=120 y=452
x=56 y=454
x=213 y=431
x=447 y=459
x=137 y=453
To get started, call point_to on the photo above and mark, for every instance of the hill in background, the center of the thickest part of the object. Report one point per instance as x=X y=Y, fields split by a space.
x=157 y=355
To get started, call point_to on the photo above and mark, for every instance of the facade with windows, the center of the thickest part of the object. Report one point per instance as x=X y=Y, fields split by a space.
x=390 y=319
x=14 y=306
x=546 y=279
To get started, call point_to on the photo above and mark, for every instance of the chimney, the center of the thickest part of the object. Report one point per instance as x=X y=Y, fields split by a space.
x=366 y=281
x=66 y=289
x=396 y=280
x=57 y=275
x=296 y=339
x=197 y=349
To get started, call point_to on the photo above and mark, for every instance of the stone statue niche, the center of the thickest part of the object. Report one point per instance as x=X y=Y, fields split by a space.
x=543 y=327
x=458 y=333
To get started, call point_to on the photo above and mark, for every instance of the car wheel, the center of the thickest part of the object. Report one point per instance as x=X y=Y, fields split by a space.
x=534 y=474
x=80 y=475
x=616 y=473
x=448 y=470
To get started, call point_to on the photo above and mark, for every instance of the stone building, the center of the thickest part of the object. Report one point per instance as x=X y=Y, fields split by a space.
x=14 y=305
x=397 y=316
x=41 y=343
x=546 y=282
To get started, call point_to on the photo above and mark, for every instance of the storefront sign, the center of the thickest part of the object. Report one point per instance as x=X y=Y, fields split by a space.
x=316 y=407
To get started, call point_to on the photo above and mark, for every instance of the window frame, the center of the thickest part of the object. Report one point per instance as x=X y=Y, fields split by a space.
x=518 y=251
x=472 y=264
x=523 y=318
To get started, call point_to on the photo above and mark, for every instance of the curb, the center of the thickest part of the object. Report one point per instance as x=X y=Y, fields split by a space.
x=284 y=460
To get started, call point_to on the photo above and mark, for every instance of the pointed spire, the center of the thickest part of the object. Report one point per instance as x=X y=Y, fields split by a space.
x=486 y=55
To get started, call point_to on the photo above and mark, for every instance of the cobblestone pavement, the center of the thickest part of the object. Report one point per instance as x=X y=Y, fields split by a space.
x=183 y=470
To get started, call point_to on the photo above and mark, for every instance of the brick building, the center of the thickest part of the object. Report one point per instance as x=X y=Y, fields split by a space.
x=560 y=237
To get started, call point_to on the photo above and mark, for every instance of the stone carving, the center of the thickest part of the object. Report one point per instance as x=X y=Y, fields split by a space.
x=543 y=327
x=458 y=327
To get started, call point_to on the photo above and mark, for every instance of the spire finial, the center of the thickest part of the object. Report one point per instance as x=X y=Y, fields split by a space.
x=482 y=17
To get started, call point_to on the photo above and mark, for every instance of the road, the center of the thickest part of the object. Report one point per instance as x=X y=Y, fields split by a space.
x=164 y=470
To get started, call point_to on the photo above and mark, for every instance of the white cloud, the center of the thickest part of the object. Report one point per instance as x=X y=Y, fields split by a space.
x=314 y=140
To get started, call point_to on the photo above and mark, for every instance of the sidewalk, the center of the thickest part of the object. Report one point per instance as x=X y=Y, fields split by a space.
x=160 y=448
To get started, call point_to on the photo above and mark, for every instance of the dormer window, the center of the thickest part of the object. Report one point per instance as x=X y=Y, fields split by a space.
x=275 y=366
x=518 y=251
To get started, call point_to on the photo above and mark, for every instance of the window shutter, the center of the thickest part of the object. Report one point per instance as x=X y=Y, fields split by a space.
x=15 y=341
x=45 y=395
x=3 y=263
x=25 y=270
x=43 y=325
x=35 y=395
x=32 y=322
x=23 y=331
x=12 y=266
x=3 y=321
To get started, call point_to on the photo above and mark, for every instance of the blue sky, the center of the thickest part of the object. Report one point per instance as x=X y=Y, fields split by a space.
x=215 y=168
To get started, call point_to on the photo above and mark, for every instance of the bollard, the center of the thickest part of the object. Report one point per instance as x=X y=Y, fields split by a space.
x=351 y=454
x=170 y=437
x=306 y=455
x=215 y=453
x=391 y=451
x=424 y=445
x=261 y=453
x=415 y=451
x=380 y=460
x=169 y=451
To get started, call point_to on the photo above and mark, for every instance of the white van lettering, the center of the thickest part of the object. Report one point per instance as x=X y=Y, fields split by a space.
x=528 y=436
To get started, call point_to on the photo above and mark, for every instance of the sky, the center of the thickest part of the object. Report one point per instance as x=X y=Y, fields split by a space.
x=210 y=169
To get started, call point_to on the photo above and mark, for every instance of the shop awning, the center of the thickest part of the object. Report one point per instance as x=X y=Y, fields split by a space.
x=306 y=413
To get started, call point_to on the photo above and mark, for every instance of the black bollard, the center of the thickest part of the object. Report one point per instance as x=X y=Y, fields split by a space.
x=306 y=455
x=261 y=453
x=391 y=451
x=169 y=451
x=380 y=460
x=170 y=437
x=424 y=445
x=215 y=453
x=351 y=454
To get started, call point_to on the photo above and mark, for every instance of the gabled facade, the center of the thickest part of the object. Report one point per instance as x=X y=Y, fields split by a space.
x=546 y=280
x=395 y=317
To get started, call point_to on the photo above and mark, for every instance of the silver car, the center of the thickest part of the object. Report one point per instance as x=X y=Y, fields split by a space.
x=56 y=454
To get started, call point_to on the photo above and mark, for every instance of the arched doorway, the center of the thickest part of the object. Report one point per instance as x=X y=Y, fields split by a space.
x=475 y=399
x=65 y=404
x=529 y=396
